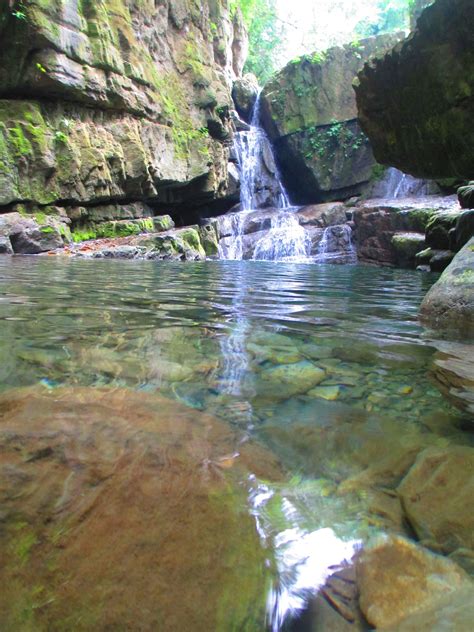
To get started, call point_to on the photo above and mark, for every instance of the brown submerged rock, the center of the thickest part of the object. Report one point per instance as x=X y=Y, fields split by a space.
x=397 y=579
x=123 y=510
x=437 y=494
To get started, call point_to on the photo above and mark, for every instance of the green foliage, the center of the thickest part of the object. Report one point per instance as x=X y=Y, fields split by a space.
x=390 y=16
x=60 y=137
x=266 y=35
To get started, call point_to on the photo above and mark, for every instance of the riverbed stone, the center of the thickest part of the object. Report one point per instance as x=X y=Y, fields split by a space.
x=397 y=578
x=437 y=497
x=137 y=480
x=285 y=380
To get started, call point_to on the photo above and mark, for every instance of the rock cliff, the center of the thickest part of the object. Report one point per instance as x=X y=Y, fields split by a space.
x=417 y=103
x=310 y=113
x=115 y=102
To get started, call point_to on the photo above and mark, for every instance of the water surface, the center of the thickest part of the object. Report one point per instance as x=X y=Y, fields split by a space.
x=192 y=446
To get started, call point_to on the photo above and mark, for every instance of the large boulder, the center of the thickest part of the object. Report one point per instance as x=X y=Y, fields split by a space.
x=416 y=104
x=398 y=579
x=449 y=305
x=436 y=496
x=111 y=101
x=310 y=114
x=244 y=93
x=466 y=195
x=392 y=232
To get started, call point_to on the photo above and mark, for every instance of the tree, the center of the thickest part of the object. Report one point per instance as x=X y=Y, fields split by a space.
x=266 y=36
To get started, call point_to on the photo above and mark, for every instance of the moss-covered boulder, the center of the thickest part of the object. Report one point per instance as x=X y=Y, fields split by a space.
x=106 y=102
x=466 y=195
x=309 y=112
x=449 y=305
x=416 y=104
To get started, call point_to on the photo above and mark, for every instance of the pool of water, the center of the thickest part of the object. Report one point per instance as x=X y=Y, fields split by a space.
x=196 y=446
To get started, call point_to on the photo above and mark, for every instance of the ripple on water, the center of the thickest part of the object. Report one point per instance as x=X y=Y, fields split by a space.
x=235 y=426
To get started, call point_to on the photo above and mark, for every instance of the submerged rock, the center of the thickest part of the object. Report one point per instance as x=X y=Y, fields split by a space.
x=123 y=508
x=397 y=579
x=285 y=380
x=437 y=496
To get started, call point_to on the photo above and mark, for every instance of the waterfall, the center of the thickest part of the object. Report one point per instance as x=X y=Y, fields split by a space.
x=260 y=182
x=336 y=244
x=396 y=184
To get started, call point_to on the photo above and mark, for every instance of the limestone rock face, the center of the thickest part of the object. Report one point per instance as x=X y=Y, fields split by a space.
x=398 y=579
x=113 y=101
x=310 y=113
x=417 y=103
x=449 y=305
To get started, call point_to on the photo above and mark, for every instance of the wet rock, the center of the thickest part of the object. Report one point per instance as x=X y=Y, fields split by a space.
x=397 y=578
x=406 y=246
x=141 y=482
x=244 y=94
x=286 y=380
x=309 y=112
x=423 y=88
x=466 y=195
x=436 y=495
x=464 y=229
x=117 y=101
x=449 y=305
x=25 y=232
x=452 y=372
x=322 y=215
x=452 y=612
x=441 y=260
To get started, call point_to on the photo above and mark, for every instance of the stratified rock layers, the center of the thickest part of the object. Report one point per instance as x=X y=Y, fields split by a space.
x=417 y=103
x=309 y=112
x=115 y=101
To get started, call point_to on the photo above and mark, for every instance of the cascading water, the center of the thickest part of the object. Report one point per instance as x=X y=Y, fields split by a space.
x=259 y=178
x=396 y=184
x=261 y=186
x=336 y=244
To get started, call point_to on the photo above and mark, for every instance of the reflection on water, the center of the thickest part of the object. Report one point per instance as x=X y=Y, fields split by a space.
x=197 y=446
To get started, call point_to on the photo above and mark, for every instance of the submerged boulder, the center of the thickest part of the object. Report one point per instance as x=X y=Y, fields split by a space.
x=310 y=114
x=398 y=579
x=416 y=104
x=436 y=496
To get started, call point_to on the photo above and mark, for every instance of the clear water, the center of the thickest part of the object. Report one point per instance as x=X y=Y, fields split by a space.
x=193 y=446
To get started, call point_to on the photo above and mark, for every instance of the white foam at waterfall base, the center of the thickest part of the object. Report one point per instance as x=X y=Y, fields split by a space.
x=286 y=240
